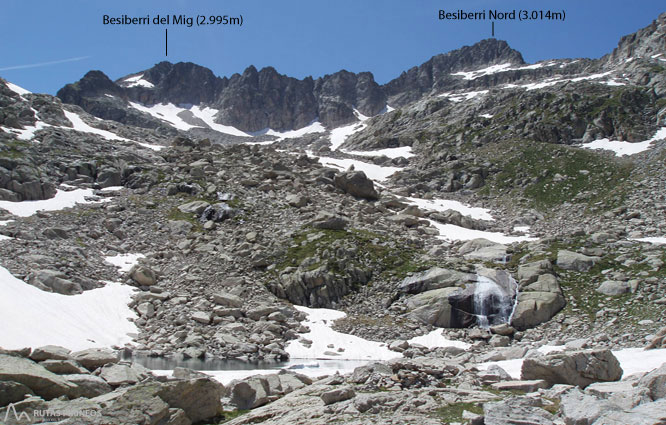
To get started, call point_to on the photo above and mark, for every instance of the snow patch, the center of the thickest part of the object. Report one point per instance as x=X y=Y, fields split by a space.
x=138 y=81
x=489 y=116
x=61 y=200
x=436 y=339
x=372 y=171
x=340 y=134
x=445 y=204
x=207 y=115
x=461 y=97
x=124 y=262
x=31 y=317
x=493 y=69
x=27 y=133
x=319 y=320
x=613 y=83
x=388 y=108
x=80 y=125
x=657 y=240
x=625 y=148
x=456 y=233
x=166 y=112
x=404 y=151
x=17 y=89
x=314 y=127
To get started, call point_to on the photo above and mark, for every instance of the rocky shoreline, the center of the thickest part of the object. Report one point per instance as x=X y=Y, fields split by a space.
x=438 y=385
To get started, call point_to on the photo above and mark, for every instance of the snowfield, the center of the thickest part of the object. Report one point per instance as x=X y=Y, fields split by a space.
x=374 y=172
x=31 y=317
x=61 y=200
x=626 y=148
x=124 y=262
x=343 y=346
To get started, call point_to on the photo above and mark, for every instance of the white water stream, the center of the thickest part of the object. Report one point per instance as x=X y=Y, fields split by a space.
x=492 y=304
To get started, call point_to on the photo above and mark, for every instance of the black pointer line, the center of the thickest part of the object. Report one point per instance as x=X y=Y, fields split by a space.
x=493 y=28
x=166 y=42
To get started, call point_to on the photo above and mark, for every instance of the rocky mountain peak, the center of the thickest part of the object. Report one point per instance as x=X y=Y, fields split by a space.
x=645 y=43
x=94 y=83
x=436 y=72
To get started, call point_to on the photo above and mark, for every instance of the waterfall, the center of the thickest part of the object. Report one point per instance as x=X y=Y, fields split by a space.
x=494 y=304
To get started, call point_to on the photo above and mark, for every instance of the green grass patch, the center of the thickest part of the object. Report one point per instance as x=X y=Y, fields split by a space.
x=13 y=149
x=369 y=250
x=175 y=214
x=550 y=175
x=454 y=412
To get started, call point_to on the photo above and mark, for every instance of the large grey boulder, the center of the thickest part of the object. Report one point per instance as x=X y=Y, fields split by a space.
x=227 y=300
x=336 y=395
x=362 y=373
x=655 y=382
x=198 y=398
x=483 y=250
x=63 y=367
x=517 y=410
x=613 y=287
x=45 y=384
x=544 y=283
x=290 y=381
x=249 y=393
x=119 y=374
x=11 y=392
x=530 y=272
x=434 y=278
x=645 y=414
x=580 y=368
x=194 y=207
x=50 y=352
x=625 y=394
x=433 y=307
x=92 y=358
x=54 y=281
x=357 y=184
x=579 y=408
x=143 y=275
x=534 y=308
x=88 y=386
x=569 y=260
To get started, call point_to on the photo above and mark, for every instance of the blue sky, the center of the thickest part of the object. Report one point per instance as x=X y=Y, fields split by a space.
x=66 y=38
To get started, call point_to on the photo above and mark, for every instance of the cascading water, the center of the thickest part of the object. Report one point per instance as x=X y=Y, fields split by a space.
x=492 y=303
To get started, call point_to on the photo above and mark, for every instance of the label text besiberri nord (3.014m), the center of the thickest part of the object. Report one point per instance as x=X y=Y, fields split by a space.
x=501 y=15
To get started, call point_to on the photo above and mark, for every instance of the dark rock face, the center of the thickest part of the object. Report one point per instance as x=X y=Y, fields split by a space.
x=257 y=100
x=645 y=42
x=251 y=101
x=20 y=181
x=436 y=73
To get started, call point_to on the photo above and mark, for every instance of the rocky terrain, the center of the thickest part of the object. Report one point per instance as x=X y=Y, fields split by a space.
x=232 y=218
